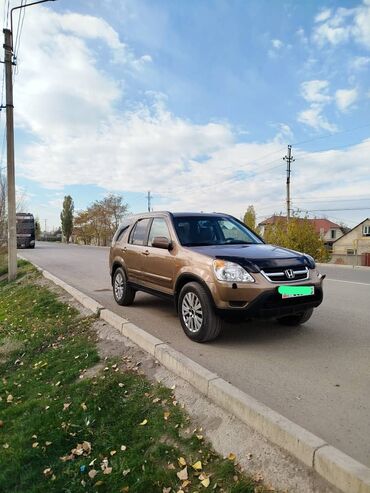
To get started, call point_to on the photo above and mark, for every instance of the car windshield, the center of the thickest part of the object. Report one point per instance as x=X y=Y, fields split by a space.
x=212 y=230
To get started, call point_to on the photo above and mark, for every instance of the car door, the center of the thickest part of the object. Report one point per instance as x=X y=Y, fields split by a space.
x=158 y=264
x=134 y=251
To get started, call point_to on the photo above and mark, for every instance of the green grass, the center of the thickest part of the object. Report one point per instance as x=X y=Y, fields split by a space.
x=46 y=410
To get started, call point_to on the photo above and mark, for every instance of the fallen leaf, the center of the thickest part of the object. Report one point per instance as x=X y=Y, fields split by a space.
x=200 y=437
x=87 y=447
x=35 y=444
x=47 y=407
x=84 y=407
x=231 y=456
x=183 y=474
x=66 y=405
x=107 y=470
x=197 y=466
x=113 y=452
x=156 y=400
x=92 y=462
x=9 y=398
x=205 y=482
x=98 y=483
x=182 y=461
x=143 y=423
x=121 y=385
x=6 y=445
x=66 y=458
x=171 y=466
x=167 y=490
x=166 y=415
x=123 y=448
x=47 y=471
x=185 y=483
x=48 y=443
x=126 y=471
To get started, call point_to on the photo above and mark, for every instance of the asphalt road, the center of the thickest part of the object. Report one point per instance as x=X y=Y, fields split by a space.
x=317 y=375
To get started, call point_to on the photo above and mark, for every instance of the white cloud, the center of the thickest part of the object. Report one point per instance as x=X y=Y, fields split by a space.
x=345 y=98
x=314 y=118
x=323 y=15
x=315 y=91
x=277 y=44
x=343 y=25
x=360 y=62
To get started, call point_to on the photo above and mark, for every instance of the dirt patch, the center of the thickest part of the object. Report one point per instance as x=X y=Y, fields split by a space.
x=7 y=347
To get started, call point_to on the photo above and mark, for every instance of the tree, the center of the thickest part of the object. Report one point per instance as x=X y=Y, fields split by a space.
x=250 y=218
x=100 y=220
x=297 y=234
x=66 y=217
x=37 y=228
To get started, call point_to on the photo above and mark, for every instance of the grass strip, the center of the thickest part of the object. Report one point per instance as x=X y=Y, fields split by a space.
x=115 y=432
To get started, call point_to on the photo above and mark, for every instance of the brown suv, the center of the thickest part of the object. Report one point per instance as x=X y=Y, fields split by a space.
x=211 y=266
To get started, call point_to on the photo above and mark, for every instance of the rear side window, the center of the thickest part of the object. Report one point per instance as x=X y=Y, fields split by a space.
x=140 y=232
x=121 y=233
x=159 y=228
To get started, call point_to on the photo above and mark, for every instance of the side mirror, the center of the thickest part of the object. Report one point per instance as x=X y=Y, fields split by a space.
x=162 y=242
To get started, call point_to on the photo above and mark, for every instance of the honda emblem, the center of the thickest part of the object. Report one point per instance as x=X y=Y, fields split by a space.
x=289 y=273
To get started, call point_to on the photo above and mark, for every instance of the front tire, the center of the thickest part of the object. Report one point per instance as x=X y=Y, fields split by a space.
x=297 y=319
x=197 y=315
x=122 y=292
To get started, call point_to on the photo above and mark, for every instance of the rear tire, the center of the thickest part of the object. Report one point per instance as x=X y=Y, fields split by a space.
x=122 y=292
x=197 y=314
x=297 y=319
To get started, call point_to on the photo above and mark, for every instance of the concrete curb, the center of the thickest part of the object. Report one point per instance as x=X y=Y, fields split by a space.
x=334 y=466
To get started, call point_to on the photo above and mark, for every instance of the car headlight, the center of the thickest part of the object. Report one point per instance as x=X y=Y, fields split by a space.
x=228 y=271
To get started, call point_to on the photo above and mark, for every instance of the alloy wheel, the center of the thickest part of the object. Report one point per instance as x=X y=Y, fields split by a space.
x=192 y=312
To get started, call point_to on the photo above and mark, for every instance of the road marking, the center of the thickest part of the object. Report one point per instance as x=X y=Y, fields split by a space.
x=349 y=282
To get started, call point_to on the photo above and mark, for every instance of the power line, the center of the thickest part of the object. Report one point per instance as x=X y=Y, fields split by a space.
x=340 y=209
x=332 y=135
x=22 y=13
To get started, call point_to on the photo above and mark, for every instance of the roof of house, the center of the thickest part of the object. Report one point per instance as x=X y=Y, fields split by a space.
x=357 y=225
x=324 y=224
x=318 y=224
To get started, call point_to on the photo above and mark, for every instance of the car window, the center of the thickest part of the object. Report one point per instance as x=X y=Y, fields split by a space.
x=139 y=233
x=159 y=228
x=118 y=236
x=197 y=231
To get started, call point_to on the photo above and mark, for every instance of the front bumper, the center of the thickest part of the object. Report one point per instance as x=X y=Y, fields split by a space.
x=262 y=300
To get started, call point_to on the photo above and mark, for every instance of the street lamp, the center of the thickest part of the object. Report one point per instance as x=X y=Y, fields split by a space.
x=12 y=220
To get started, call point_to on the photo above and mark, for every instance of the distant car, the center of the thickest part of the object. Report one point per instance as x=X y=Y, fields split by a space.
x=211 y=266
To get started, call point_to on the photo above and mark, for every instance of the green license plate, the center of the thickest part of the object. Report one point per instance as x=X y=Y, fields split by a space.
x=293 y=291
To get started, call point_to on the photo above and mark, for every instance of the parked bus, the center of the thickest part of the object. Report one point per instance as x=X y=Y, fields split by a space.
x=25 y=230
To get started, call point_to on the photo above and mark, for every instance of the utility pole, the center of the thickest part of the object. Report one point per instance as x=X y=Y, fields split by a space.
x=12 y=219
x=45 y=225
x=289 y=159
x=149 y=201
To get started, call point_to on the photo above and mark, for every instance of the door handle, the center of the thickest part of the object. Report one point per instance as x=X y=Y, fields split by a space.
x=124 y=249
x=146 y=252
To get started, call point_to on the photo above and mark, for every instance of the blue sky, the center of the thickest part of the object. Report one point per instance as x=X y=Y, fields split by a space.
x=196 y=101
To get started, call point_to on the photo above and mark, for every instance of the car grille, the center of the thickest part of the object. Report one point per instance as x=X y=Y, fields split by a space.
x=287 y=274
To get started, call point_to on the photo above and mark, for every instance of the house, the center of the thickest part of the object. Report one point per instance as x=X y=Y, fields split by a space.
x=352 y=247
x=328 y=231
